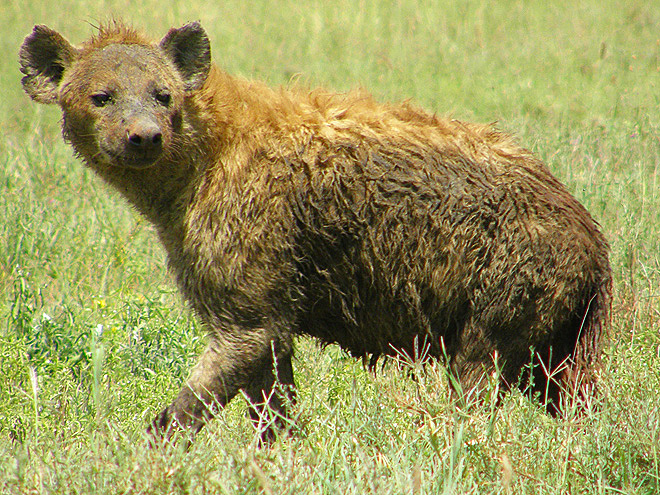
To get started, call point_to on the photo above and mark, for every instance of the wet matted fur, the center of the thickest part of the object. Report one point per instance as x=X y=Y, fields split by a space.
x=287 y=211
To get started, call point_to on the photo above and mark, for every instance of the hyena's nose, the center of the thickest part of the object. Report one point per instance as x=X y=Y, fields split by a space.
x=144 y=135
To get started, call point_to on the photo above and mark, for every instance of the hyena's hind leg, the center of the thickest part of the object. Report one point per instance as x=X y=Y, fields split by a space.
x=475 y=365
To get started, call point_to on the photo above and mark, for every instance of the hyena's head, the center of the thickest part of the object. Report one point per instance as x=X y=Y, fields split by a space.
x=122 y=96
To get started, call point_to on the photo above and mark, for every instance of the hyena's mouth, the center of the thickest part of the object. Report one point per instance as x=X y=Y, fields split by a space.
x=131 y=159
x=145 y=161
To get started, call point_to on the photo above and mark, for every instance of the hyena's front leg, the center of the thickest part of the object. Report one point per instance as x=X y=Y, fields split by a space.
x=231 y=362
x=271 y=393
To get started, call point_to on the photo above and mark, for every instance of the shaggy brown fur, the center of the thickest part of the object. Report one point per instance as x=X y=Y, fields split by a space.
x=286 y=212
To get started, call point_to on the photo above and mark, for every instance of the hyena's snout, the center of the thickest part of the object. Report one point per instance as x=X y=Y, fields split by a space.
x=143 y=140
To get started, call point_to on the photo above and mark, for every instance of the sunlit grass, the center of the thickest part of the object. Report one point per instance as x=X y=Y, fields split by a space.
x=94 y=339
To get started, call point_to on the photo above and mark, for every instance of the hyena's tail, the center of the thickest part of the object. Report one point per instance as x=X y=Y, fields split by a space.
x=578 y=378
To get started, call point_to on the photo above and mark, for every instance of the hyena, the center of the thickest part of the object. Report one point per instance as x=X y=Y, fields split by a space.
x=285 y=212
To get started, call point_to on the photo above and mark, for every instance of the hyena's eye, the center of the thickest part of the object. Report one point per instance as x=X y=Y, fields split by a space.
x=163 y=97
x=101 y=99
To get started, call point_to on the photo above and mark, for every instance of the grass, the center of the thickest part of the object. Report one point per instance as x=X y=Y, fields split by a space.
x=94 y=340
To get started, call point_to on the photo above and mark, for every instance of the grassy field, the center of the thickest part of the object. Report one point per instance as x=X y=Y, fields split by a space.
x=94 y=339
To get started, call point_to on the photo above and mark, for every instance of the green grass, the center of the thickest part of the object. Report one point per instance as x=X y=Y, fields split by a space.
x=94 y=340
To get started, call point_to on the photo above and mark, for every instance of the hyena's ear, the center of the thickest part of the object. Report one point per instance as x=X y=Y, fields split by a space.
x=189 y=48
x=44 y=56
